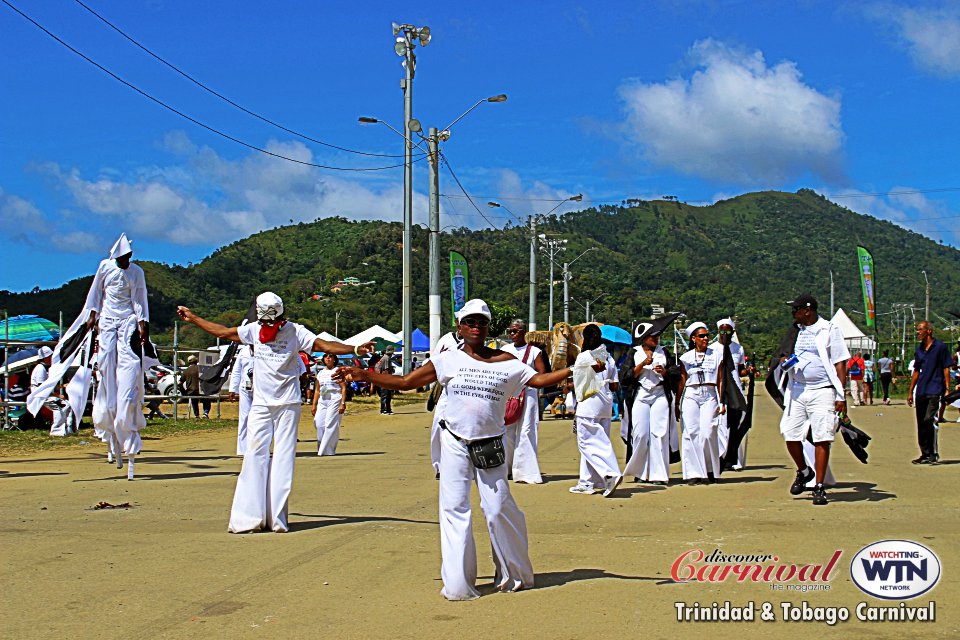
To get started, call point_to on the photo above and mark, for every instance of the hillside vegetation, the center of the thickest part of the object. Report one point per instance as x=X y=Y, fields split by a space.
x=742 y=257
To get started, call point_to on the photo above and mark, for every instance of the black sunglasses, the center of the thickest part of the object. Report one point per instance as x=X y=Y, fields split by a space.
x=702 y=335
x=475 y=322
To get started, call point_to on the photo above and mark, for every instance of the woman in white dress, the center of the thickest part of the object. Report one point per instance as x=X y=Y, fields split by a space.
x=521 y=440
x=649 y=415
x=698 y=407
x=477 y=380
x=329 y=403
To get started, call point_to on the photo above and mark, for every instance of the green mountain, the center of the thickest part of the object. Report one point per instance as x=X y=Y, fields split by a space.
x=742 y=257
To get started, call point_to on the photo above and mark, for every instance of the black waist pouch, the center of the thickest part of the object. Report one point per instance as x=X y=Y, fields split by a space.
x=487 y=453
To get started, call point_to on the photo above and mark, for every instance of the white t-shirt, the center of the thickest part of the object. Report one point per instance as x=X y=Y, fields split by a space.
x=477 y=392
x=276 y=373
x=648 y=378
x=519 y=351
x=447 y=342
x=601 y=404
x=886 y=365
x=809 y=370
x=702 y=368
x=327 y=387
x=39 y=375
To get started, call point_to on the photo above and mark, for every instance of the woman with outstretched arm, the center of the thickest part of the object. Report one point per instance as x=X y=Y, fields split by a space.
x=478 y=382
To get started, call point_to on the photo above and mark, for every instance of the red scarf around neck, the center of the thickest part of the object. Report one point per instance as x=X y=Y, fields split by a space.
x=268 y=332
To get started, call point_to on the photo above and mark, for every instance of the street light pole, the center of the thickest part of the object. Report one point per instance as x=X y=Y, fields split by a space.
x=532 y=320
x=433 y=146
x=926 y=309
x=552 y=246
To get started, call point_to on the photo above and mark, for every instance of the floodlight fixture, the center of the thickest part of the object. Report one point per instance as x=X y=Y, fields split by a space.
x=401 y=47
x=414 y=125
x=396 y=28
x=424 y=36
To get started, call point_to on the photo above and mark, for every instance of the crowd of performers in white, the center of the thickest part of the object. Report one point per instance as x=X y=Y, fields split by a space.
x=688 y=407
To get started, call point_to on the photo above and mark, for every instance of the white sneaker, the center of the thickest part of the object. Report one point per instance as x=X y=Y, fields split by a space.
x=584 y=489
x=610 y=485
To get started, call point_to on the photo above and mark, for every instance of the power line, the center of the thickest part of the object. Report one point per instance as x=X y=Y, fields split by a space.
x=187 y=117
x=226 y=99
x=446 y=163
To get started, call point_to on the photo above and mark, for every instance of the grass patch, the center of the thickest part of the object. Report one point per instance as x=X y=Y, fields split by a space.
x=14 y=443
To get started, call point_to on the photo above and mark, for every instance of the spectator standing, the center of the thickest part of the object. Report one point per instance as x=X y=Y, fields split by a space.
x=930 y=381
x=190 y=386
x=855 y=371
x=869 y=375
x=385 y=366
x=886 y=375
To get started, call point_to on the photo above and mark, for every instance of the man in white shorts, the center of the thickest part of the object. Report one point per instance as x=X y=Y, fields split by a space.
x=816 y=376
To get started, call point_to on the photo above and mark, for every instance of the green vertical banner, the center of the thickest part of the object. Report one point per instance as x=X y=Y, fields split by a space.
x=868 y=283
x=459 y=282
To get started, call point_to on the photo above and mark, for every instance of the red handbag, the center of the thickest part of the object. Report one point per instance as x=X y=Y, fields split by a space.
x=515 y=404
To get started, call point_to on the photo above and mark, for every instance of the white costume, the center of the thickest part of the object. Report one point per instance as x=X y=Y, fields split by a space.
x=723 y=429
x=598 y=462
x=241 y=383
x=521 y=439
x=328 y=417
x=699 y=449
x=650 y=417
x=447 y=342
x=119 y=296
x=477 y=396
x=263 y=488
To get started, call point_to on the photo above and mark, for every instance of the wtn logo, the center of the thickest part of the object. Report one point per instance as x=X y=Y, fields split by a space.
x=895 y=569
x=903 y=570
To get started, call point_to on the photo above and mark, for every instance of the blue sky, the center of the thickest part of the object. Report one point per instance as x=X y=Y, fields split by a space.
x=615 y=100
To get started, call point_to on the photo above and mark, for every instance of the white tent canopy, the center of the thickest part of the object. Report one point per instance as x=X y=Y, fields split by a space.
x=329 y=337
x=374 y=332
x=855 y=339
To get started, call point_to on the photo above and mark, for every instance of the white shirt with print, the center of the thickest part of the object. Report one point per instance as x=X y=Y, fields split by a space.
x=276 y=372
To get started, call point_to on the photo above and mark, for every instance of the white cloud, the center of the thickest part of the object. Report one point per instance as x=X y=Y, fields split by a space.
x=931 y=35
x=736 y=119
x=206 y=199
x=20 y=216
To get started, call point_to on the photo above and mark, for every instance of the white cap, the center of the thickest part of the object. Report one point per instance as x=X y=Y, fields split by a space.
x=121 y=247
x=696 y=325
x=475 y=307
x=269 y=306
x=728 y=321
x=44 y=352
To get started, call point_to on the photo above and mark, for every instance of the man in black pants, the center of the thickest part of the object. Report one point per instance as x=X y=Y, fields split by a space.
x=931 y=380
x=385 y=365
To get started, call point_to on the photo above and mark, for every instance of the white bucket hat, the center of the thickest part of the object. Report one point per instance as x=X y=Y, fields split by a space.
x=693 y=327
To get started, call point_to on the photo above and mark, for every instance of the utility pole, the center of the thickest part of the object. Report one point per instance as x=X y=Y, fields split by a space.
x=831 y=295
x=433 y=155
x=926 y=309
x=552 y=246
x=532 y=321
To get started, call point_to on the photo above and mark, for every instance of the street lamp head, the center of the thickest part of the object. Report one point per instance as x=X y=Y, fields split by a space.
x=493 y=204
x=366 y=120
x=444 y=135
x=424 y=35
x=502 y=97
x=576 y=198
x=415 y=125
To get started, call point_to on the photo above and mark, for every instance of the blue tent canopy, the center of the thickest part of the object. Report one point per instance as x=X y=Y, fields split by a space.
x=420 y=341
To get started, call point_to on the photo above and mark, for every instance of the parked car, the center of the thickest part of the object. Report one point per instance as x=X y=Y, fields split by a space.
x=161 y=376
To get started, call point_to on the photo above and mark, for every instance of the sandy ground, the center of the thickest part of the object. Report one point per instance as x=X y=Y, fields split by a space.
x=362 y=559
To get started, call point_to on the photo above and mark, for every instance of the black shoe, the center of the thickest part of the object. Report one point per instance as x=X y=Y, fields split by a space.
x=934 y=459
x=694 y=481
x=819 y=495
x=921 y=460
x=800 y=484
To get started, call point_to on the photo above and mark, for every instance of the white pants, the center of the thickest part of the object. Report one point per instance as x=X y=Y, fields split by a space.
x=650 y=421
x=699 y=451
x=118 y=407
x=597 y=458
x=435 y=447
x=246 y=398
x=263 y=488
x=520 y=441
x=856 y=390
x=327 y=421
x=505 y=522
x=723 y=437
